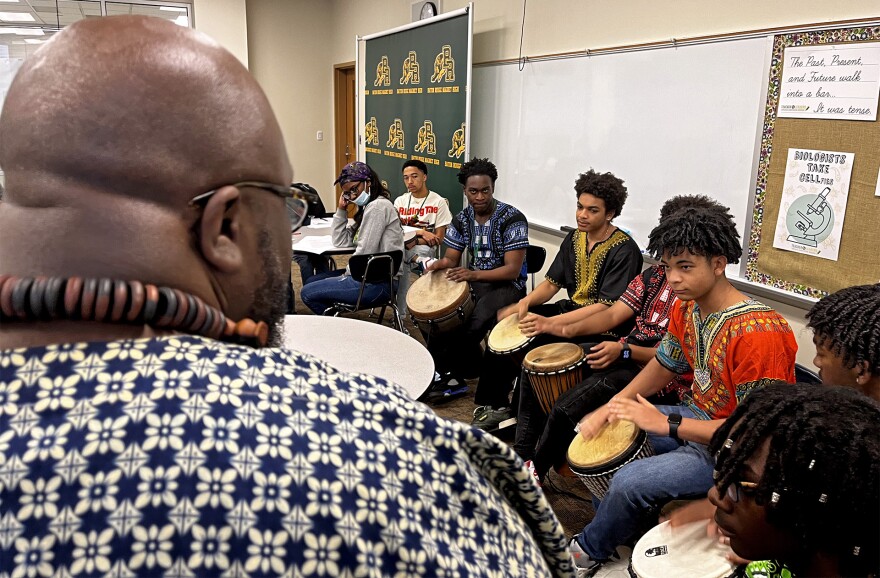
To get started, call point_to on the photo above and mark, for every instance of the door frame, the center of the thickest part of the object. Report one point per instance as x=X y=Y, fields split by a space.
x=341 y=114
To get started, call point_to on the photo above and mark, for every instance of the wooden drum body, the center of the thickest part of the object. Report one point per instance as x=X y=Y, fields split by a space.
x=506 y=339
x=682 y=552
x=438 y=305
x=554 y=369
x=596 y=461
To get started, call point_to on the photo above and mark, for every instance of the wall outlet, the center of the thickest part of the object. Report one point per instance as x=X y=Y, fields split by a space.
x=320 y=135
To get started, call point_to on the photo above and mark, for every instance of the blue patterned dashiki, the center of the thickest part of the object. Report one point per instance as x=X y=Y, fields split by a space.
x=183 y=456
x=506 y=230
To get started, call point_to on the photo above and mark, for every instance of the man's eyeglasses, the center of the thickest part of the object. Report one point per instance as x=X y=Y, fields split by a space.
x=296 y=199
x=734 y=489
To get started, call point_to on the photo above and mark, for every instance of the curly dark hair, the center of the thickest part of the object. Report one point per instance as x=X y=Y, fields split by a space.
x=415 y=163
x=679 y=202
x=706 y=231
x=604 y=186
x=476 y=167
x=821 y=481
x=847 y=322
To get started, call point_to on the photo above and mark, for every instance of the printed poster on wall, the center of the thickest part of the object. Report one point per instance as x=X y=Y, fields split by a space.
x=831 y=81
x=813 y=203
x=416 y=104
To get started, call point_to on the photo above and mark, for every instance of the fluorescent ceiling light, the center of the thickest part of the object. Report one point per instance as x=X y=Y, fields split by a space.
x=16 y=17
x=9 y=1
x=166 y=8
x=182 y=20
x=33 y=41
x=21 y=31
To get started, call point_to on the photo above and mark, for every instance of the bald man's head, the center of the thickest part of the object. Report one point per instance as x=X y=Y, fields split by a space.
x=136 y=106
x=106 y=134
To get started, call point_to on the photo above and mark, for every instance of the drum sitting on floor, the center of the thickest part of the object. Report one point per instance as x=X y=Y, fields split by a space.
x=506 y=339
x=681 y=552
x=554 y=369
x=438 y=305
x=596 y=461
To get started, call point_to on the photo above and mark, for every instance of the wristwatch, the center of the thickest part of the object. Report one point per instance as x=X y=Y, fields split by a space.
x=626 y=352
x=674 y=420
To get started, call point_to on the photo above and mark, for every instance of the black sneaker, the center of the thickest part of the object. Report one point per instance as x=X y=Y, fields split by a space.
x=444 y=389
x=489 y=419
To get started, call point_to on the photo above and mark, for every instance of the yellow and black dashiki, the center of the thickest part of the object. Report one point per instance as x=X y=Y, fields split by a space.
x=597 y=276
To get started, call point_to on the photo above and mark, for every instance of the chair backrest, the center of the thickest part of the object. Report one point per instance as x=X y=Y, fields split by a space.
x=804 y=375
x=535 y=257
x=375 y=267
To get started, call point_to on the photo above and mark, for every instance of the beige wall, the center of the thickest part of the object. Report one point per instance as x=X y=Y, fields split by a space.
x=226 y=22
x=293 y=45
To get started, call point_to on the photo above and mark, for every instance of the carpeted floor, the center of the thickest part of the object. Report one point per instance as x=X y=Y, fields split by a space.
x=568 y=497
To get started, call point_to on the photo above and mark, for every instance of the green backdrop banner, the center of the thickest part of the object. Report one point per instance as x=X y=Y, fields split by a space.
x=416 y=104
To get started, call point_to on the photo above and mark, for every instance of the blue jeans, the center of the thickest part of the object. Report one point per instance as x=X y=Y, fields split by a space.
x=325 y=289
x=643 y=486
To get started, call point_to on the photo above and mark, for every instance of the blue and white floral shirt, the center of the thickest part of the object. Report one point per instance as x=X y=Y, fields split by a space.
x=183 y=456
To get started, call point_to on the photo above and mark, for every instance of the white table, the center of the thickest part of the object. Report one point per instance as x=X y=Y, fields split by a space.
x=315 y=239
x=354 y=345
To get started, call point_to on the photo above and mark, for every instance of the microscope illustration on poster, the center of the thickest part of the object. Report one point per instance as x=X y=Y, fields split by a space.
x=813 y=205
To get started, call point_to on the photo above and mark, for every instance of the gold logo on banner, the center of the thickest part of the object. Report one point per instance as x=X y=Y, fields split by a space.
x=457 y=143
x=383 y=73
x=410 y=69
x=395 y=135
x=427 y=140
x=444 y=66
x=371 y=132
x=384 y=184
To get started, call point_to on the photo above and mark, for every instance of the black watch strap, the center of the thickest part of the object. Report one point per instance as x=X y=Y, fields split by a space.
x=674 y=420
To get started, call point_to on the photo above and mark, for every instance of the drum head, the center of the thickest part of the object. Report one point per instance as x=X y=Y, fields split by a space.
x=553 y=357
x=433 y=295
x=681 y=552
x=506 y=336
x=613 y=441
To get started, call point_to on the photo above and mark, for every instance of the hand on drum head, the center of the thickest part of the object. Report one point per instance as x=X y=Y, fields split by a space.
x=641 y=412
x=506 y=312
x=697 y=512
x=604 y=354
x=592 y=423
x=460 y=274
x=533 y=324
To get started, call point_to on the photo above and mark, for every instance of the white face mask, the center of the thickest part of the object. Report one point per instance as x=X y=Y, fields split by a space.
x=362 y=199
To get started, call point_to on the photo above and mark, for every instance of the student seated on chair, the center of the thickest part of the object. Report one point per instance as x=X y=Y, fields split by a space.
x=845 y=330
x=610 y=365
x=594 y=264
x=732 y=345
x=376 y=229
x=421 y=208
x=495 y=236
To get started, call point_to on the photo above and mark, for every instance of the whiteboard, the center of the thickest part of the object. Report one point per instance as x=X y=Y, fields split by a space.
x=668 y=121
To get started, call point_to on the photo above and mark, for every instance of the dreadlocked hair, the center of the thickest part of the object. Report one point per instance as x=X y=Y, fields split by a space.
x=848 y=323
x=679 y=202
x=821 y=481
x=604 y=186
x=706 y=231
x=475 y=167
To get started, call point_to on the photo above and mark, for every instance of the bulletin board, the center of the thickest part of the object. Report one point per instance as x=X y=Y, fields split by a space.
x=858 y=260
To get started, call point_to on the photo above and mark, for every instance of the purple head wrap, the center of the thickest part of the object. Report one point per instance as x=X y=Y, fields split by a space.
x=356 y=171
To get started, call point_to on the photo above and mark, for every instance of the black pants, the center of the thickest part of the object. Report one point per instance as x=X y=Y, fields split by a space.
x=459 y=351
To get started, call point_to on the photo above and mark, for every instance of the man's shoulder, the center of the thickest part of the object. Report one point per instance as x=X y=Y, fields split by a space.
x=401 y=201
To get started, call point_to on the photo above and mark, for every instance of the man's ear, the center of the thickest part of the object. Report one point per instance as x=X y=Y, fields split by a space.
x=220 y=230
x=719 y=263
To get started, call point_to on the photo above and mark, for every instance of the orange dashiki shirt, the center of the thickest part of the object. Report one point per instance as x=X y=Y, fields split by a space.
x=731 y=352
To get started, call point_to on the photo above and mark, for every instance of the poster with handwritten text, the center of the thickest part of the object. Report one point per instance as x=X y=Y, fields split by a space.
x=813 y=204
x=831 y=81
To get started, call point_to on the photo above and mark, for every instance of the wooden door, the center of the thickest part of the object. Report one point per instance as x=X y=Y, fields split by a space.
x=344 y=107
